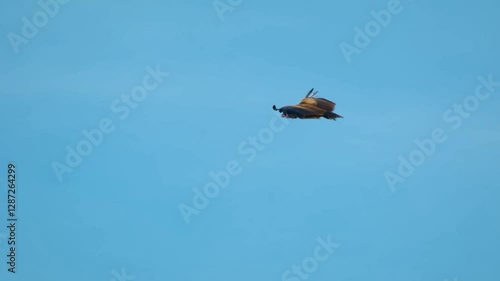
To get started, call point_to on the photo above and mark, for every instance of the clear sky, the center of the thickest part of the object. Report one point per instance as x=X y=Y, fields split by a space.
x=119 y=206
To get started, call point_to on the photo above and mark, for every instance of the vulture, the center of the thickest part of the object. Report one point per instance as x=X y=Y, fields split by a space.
x=310 y=108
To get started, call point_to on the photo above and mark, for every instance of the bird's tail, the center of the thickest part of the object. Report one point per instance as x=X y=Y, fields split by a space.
x=331 y=115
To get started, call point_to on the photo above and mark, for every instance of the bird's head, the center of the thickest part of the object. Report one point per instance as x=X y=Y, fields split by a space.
x=276 y=109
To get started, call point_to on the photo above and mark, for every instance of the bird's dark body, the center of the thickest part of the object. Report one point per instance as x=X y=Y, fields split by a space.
x=310 y=108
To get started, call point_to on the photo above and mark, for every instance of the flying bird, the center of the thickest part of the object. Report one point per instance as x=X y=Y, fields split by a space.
x=310 y=108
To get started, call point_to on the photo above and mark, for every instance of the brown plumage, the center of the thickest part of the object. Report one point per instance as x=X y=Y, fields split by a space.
x=310 y=108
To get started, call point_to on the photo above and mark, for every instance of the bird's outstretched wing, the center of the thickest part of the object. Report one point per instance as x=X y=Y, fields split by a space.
x=310 y=94
x=321 y=103
x=311 y=101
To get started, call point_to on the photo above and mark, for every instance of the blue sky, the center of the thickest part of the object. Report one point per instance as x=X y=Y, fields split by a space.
x=119 y=208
